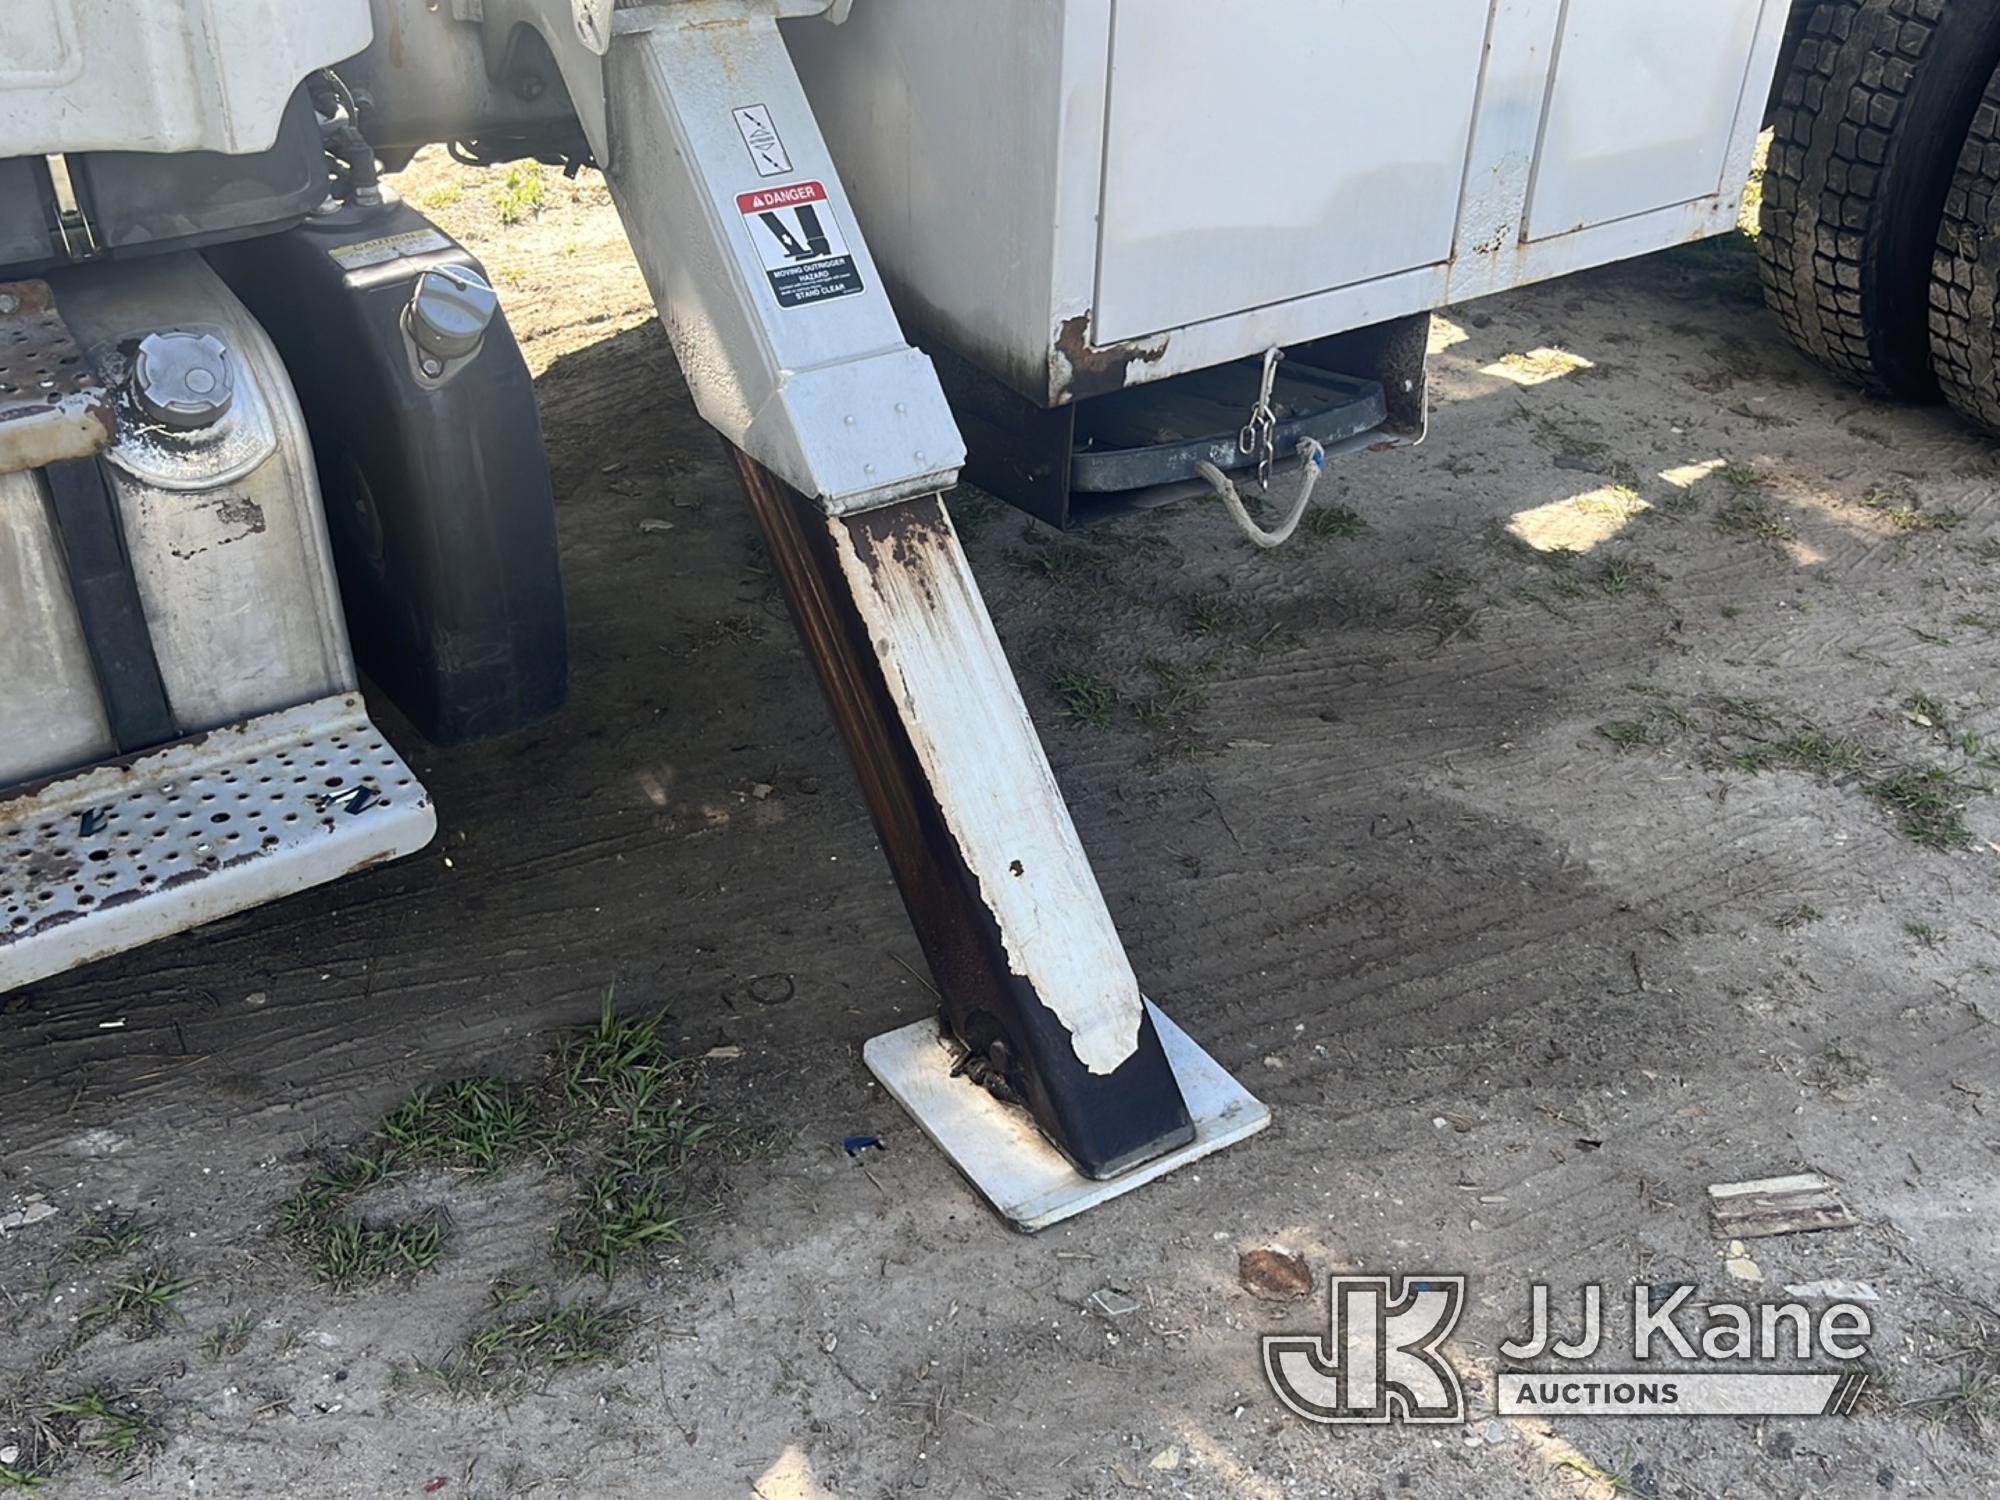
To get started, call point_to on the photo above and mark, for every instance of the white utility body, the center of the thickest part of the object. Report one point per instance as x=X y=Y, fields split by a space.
x=1185 y=182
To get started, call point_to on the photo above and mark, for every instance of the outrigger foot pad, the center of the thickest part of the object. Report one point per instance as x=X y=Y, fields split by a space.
x=1003 y=1154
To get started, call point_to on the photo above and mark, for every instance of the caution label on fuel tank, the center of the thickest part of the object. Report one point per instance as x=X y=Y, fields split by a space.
x=800 y=243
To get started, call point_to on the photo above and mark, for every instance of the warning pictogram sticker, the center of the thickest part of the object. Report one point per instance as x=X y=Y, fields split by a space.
x=760 y=139
x=800 y=243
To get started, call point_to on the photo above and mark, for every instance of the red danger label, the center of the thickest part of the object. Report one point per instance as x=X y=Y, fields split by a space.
x=797 y=237
x=783 y=197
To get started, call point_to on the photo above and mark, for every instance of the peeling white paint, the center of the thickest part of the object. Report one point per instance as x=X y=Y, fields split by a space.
x=964 y=715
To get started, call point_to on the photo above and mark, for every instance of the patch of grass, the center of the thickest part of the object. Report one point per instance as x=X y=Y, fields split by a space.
x=1899 y=508
x=1629 y=1478
x=1971 y=1403
x=1929 y=804
x=144 y=1302
x=1730 y=611
x=1755 y=517
x=345 y=1250
x=1926 y=935
x=1062 y=561
x=521 y=193
x=620 y=1080
x=620 y=1216
x=1086 y=698
x=471 y=1124
x=1835 y=1067
x=1808 y=751
x=1802 y=915
x=1329 y=521
x=111 y=1429
x=229 y=1338
x=475 y=1123
x=529 y=1333
x=1621 y=575
x=20 y=1481
x=1741 y=478
x=1618 y=500
x=614 y=1058
x=108 y=1235
x=349 y=1252
x=1441 y=597
x=1178 y=695
x=440 y=197
x=611 y=1108
x=1628 y=734
x=1749 y=710
x=1214 y=613
x=1926 y=712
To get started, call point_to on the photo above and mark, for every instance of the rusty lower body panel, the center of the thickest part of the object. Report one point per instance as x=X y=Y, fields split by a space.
x=1031 y=977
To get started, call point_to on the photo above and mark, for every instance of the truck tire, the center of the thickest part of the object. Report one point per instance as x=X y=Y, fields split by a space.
x=1796 y=21
x=1965 y=277
x=1878 y=97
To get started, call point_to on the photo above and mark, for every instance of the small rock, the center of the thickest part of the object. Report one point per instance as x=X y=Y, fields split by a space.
x=33 y=1211
x=1113 y=1303
x=1740 y=1265
x=761 y=789
x=1166 y=1458
x=1273 y=1061
x=1274 y=1275
x=654 y=523
x=9 y=1453
x=1496 y=1431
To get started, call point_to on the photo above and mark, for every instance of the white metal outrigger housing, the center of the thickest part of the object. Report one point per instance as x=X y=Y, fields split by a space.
x=786 y=337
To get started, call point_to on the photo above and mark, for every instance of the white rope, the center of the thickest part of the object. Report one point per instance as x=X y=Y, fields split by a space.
x=1312 y=459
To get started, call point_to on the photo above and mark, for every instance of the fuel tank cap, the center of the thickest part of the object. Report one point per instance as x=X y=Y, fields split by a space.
x=450 y=311
x=183 y=379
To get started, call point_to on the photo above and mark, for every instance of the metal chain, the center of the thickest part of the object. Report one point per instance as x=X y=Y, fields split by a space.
x=1260 y=433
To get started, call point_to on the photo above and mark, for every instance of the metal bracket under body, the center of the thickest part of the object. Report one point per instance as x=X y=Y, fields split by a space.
x=749 y=244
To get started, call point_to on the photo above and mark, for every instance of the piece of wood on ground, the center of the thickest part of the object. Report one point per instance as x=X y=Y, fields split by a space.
x=1797 y=1204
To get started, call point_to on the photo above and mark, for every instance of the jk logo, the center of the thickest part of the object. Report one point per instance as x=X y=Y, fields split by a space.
x=1379 y=1361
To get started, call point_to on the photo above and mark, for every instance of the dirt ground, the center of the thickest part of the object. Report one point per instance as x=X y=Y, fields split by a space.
x=1547 y=834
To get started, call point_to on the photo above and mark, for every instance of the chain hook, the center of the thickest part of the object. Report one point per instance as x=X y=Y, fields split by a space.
x=1260 y=433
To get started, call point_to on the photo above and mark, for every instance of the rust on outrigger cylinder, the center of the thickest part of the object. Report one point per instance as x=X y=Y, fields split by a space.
x=1031 y=976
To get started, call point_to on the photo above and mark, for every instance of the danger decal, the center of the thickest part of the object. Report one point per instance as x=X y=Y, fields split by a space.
x=798 y=239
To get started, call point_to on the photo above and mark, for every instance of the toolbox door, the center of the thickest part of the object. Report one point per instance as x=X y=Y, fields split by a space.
x=1258 y=153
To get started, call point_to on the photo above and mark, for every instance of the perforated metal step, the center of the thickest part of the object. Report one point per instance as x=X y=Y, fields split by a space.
x=106 y=859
